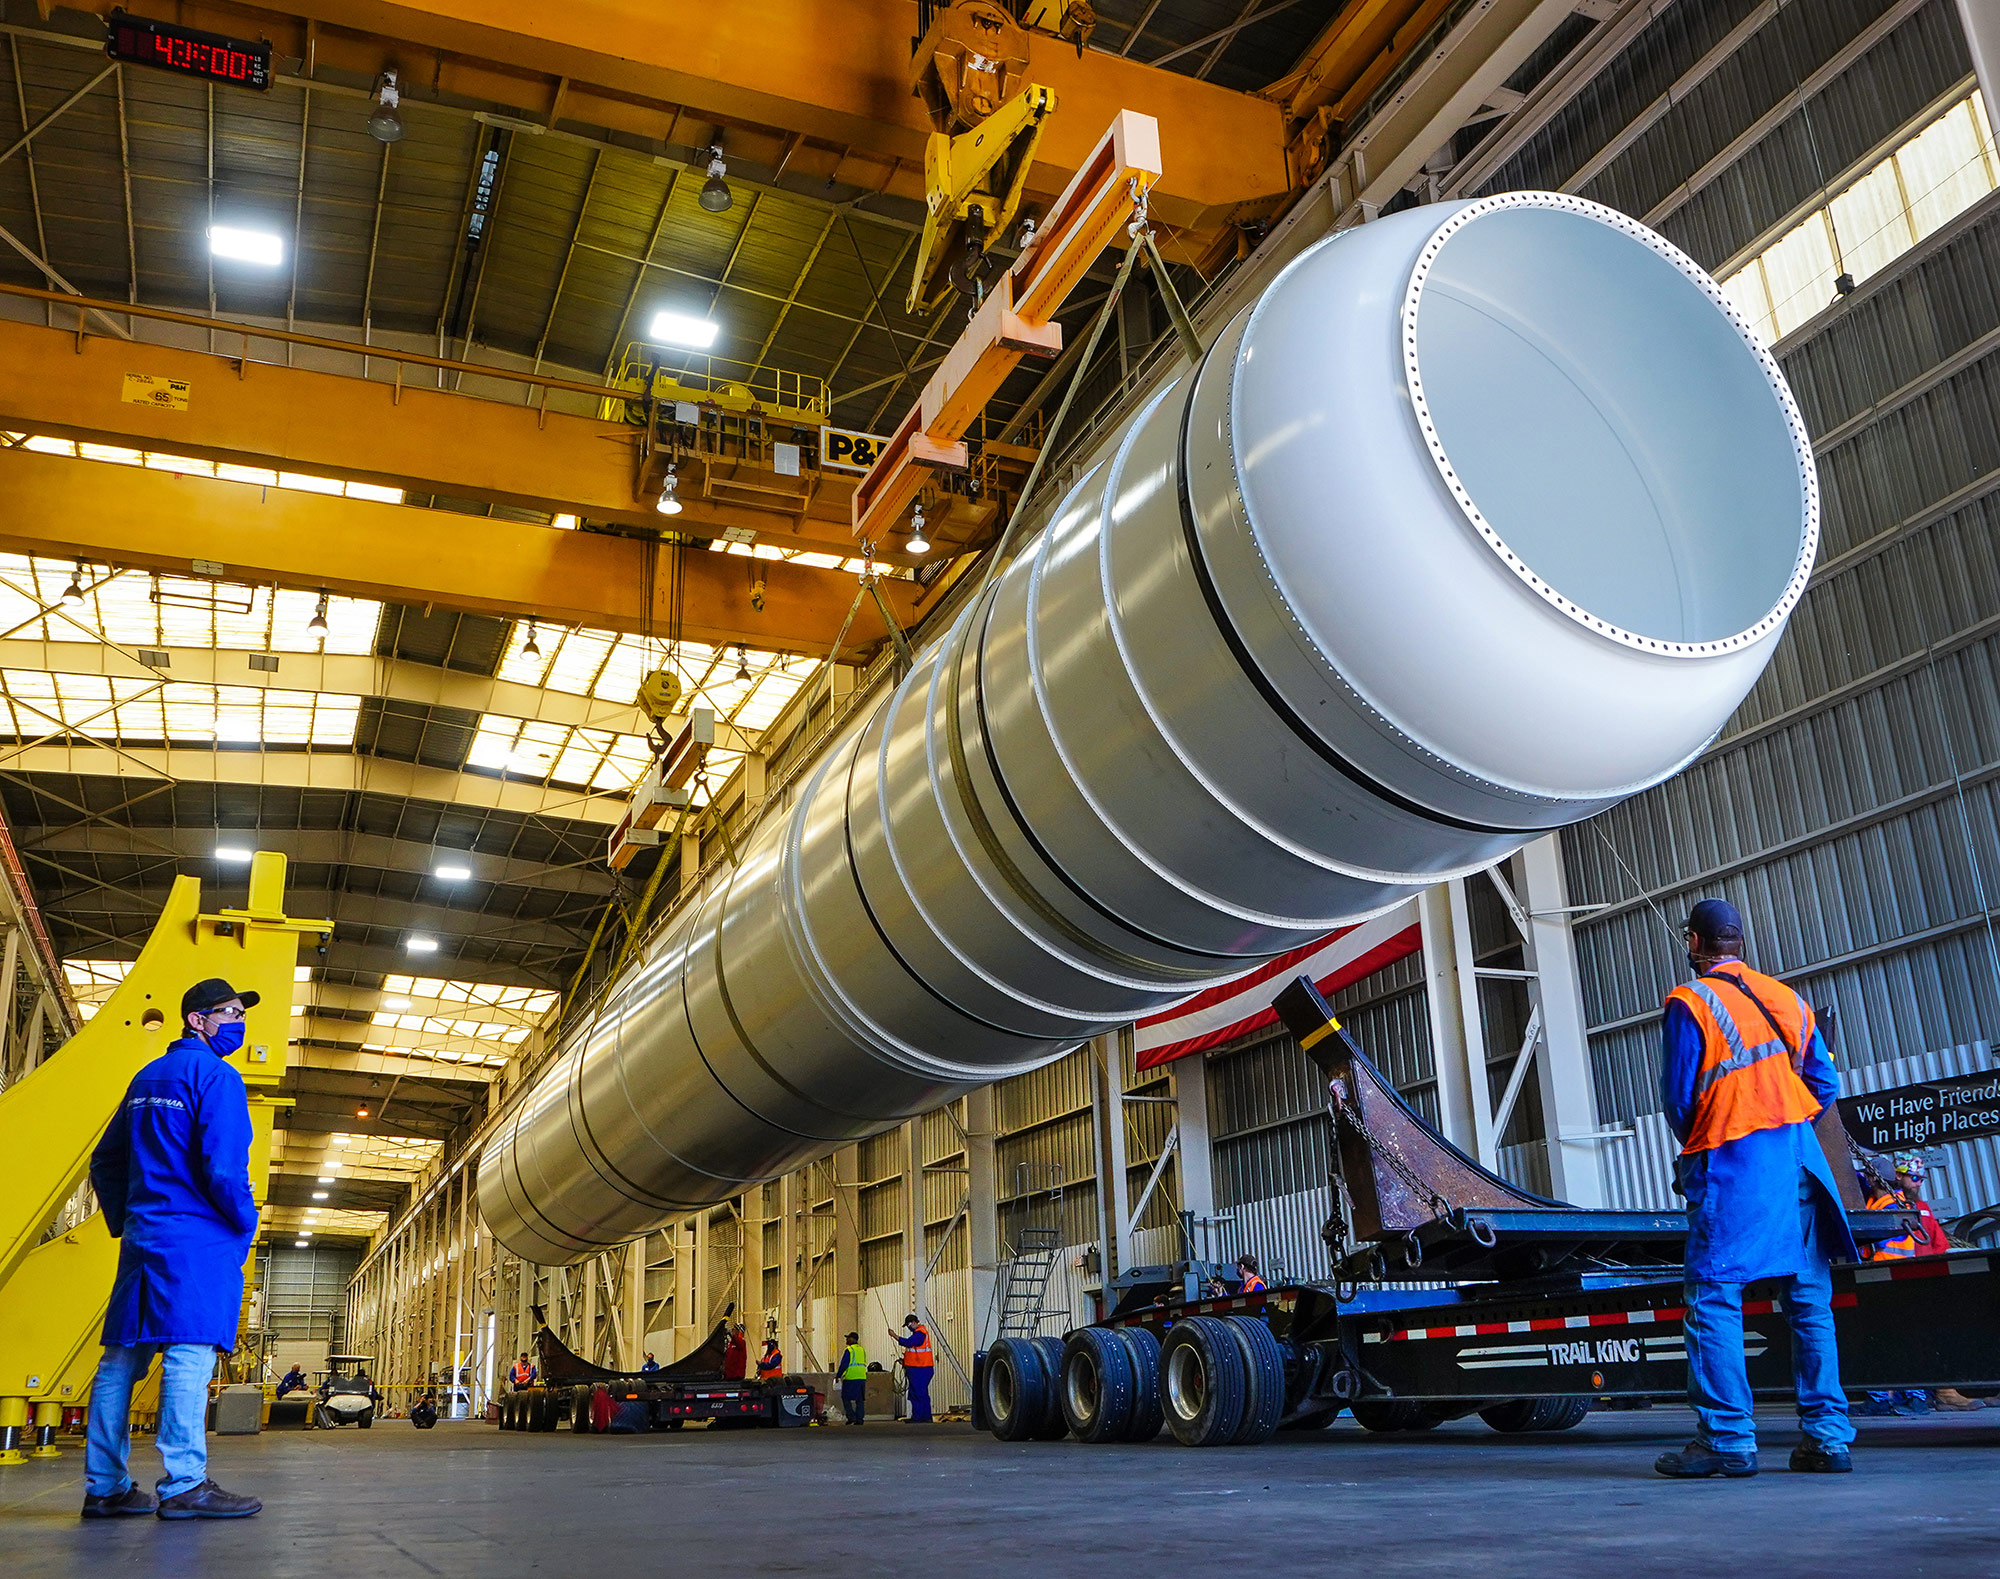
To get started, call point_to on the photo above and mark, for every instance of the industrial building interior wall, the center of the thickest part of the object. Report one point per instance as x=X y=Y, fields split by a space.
x=1848 y=808
x=302 y=1310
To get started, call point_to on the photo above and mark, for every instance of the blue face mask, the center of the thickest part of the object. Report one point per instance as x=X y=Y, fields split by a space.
x=227 y=1038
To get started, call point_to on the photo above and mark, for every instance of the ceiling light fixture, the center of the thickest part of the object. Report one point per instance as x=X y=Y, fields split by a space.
x=318 y=621
x=531 y=648
x=670 y=503
x=263 y=247
x=421 y=945
x=917 y=543
x=672 y=328
x=361 y=1112
x=231 y=852
x=385 y=125
x=300 y=1244
x=319 y=1195
x=325 y=1178
x=73 y=593
x=742 y=666
x=395 y=1003
x=715 y=194
x=452 y=874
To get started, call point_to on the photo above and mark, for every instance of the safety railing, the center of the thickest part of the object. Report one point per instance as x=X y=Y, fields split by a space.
x=697 y=378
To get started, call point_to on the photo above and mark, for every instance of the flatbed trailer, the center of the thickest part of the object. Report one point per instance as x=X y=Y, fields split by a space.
x=1533 y=1310
x=589 y=1398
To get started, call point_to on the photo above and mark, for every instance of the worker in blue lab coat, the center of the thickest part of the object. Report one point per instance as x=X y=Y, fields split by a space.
x=650 y=1366
x=172 y=1176
x=1744 y=1073
x=919 y=1365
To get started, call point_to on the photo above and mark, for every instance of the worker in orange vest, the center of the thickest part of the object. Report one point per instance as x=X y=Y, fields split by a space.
x=1744 y=1073
x=1246 y=1270
x=521 y=1373
x=771 y=1362
x=919 y=1364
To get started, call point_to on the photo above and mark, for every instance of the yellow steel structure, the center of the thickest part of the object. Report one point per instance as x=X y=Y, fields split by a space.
x=244 y=406
x=774 y=395
x=818 y=85
x=53 y=1290
x=976 y=182
x=125 y=515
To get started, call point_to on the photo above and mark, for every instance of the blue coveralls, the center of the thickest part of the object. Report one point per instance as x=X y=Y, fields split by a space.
x=1764 y=1205
x=919 y=1376
x=172 y=1176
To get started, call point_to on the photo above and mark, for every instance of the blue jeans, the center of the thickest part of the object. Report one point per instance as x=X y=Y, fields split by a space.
x=1719 y=1379
x=182 y=1439
x=919 y=1377
x=854 y=1400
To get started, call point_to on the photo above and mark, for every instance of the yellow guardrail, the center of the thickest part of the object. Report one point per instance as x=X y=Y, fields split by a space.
x=777 y=394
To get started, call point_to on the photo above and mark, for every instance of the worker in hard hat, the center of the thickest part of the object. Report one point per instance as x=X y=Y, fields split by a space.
x=1744 y=1073
x=1248 y=1280
x=771 y=1363
x=854 y=1380
x=172 y=1176
x=919 y=1365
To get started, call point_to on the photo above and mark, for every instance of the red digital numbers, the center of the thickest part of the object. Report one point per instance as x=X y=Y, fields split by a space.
x=219 y=60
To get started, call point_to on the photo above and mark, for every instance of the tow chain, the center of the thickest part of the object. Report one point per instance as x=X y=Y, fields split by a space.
x=1345 y=1108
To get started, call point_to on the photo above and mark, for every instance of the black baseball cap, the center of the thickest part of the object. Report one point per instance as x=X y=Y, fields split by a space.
x=205 y=995
x=1712 y=920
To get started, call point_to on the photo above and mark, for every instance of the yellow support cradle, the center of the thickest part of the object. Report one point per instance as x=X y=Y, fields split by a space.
x=54 y=1289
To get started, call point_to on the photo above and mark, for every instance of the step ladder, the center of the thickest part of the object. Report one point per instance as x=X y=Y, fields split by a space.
x=1023 y=1305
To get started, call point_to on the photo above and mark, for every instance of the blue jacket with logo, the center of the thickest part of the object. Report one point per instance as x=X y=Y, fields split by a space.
x=172 y=1176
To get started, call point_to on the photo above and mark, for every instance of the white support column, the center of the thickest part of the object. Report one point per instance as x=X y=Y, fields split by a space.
x=1458 y=1033
x=913 y=1217
x=1195 y=1161
x=1118 y=1050
x=982 y=1214
x=634 y=1313
x=792 y=1242
x=1569 y=1105
x=1107 y=1113
x=847 y=1241
x=1981 y=22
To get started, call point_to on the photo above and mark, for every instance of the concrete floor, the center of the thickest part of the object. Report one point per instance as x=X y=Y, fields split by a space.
x=474 y=1501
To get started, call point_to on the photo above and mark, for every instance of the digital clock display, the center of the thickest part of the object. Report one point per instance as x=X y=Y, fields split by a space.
x=209 y=56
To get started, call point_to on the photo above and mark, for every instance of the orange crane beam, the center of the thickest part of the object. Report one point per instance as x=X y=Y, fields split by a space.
x=821 y=86
x=241 y=532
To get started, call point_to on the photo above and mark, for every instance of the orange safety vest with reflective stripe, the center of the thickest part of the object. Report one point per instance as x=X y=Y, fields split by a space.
x=1904 y=1245
x=522 y=1373
x=919 y=1354
x=772 y=1363
x=1252 y=1284
x=1754 y=1032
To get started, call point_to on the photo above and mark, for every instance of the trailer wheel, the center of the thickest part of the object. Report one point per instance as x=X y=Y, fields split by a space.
x=1144 y=1348
x=544 y=1408
x=1392 y=1414
x=579 y=1412
x=1264 y=1379
x=1096 y=1385
x=1017 y=1388
x=1312 y=1419
x=1517 y=1415
x=1203 y=1380
x=1565 y=1413
x=1054 y=1426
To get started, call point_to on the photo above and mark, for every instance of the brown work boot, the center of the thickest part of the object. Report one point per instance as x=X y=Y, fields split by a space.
x=119 y=1503
x=1952 y=1398
x=208 y=1501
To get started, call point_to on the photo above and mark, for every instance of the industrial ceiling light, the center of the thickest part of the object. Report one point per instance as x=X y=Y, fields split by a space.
x=672 y=328
x=263 y=247
x=670 y=503
x=451 y=874
x=319 y=1195
x=318 y=621
x=743 y=665
x=300 y=1244
x=531 y=648
x=385 y=125
x=917 y=543
x=362 y=1111
x=395 y=1003
x=325 y=1178
x=73 y=593
x=715 y=194
x=232 y=852
x=419 y=945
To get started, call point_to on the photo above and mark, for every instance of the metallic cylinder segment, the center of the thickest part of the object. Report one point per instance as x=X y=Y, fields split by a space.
x=1479 y=519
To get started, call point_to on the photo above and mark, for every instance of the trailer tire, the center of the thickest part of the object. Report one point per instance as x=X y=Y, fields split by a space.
x=1203 y=1381
x=1264 y=1380
x=579 y=1412
x=1143 y=1346
x=1312 y=1419
x=545 y=1410
x=1016 y=1389
x=1515 y=1416
x=1096 y=1385
x=1565 y=1413
x=1054 y=1426
x=1391 y=1414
